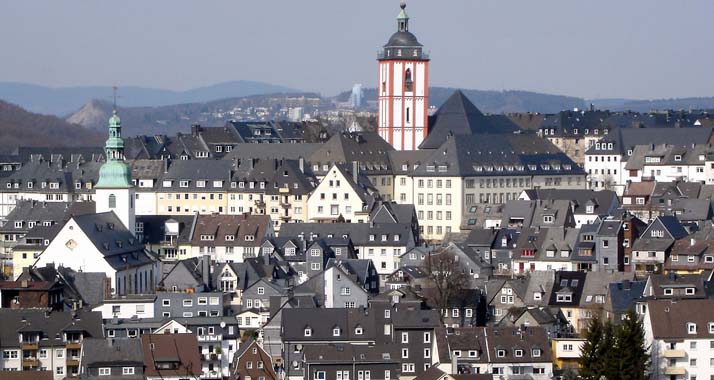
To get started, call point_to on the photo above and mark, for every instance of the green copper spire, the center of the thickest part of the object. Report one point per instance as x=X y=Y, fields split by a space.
x=115 y=173
x=403 y=18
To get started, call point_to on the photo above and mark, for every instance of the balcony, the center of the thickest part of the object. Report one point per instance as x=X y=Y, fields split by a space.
x=73 y=362
x=30 y=362
x=169 y=243
x=30 y=346
x=285 y=217
x=74 y=345
x=211 y=357
x=259 y=203
x=674 y=371
x=674 y=354
x=285 y=205
x=210 y=338
x=211 y=375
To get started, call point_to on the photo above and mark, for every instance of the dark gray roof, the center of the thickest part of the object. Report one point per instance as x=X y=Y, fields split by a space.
x=624 y=294
x=359 y=233
x=51 y=325
x=458 y=116
x=97 y=352
x=38 y=213
x=113 y=240
x=602 y=200
x=497 y=155
x=624 y=139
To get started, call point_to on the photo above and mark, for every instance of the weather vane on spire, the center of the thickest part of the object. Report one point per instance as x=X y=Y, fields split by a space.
x=114 y=96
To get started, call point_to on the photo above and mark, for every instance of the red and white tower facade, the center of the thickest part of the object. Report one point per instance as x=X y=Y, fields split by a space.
x=403 y=88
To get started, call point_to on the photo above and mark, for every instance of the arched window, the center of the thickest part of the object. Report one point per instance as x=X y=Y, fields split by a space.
x=112 y=201
x=408 y=80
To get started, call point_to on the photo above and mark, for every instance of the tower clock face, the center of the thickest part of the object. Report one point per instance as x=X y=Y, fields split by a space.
x=71 y=244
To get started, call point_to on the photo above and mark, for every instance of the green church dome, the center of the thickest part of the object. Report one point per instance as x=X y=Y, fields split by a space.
x=115 y=173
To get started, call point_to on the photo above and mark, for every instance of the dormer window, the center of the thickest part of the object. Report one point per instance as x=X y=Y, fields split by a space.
x=371 y=237
x=657 y=233
x=711 y=327
x=678 y=157
x=200 y=183
x=535 y=352
x=384 y=237
x=519 y=353
x=691 y=328
x=230 y=238
x=590 y=209
x=548 y=219
x=336 y=331
x=501 y=353
x=207 y=237
x=359 y=330
x=689 y=291
x=249 y=237
x=308 y=331
x=668 y=291
x=183 y=183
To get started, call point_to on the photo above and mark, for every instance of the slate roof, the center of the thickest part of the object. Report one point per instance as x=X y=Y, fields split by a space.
x=112 y=352
x=359 y=233
x=31 y=176
x=669 y=319
x=296 y=151
x=624 y=294
x=625 y=139
x=458 y=116
x=113 y=240
x=50 y=325
x=603 y=200
x=39 y=213
x=567 y=283
x=367 y=148
x=236 y=226
x=322 y=322
x=182 y=348
x=496 y=155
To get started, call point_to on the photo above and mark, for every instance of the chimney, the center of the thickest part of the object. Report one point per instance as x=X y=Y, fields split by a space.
x=355 y=171
x=692 y=241
x=301 y=163
x=166 y=165
x=195 y=129
x=206 y=270
x=251 y=163
x=626 y=284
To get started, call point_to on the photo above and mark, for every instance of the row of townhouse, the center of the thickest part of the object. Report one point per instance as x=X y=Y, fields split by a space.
x=633 y=154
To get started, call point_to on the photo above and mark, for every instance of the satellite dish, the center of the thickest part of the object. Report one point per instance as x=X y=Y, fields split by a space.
x=223 y=324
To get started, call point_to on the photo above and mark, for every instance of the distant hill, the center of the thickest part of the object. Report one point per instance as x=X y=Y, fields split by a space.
x=175 y=118
x=62 y=101
x=495 y=101
x=706 y=103
x=19 y=127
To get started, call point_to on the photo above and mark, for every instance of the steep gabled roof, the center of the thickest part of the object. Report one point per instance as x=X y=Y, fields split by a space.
x=458 y=116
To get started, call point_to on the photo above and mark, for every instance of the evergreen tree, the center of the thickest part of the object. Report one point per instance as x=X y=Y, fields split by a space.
x=591 y=351
x=632 y=352
x=610 y=352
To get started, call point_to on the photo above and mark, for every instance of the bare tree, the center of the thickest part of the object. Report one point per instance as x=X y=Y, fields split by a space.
x=446 y=278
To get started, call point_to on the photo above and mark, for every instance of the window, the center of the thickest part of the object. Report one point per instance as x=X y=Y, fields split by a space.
x=536 y=352
x=112 y=201
x=405 y=337
x=308 y=331
x=407 y=367
x=501 y=353
x=345 y=291
x=427 y=353
x=427 y=337
x=320 y=375
x=261 y=290
x=691 y=328
x=127 y=371
x=336 y=331
x=405 y=353
x=519 y=353
x=187 y=303
x=60 y=370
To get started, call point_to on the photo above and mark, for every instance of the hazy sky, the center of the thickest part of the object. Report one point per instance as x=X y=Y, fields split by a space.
x=603 y=48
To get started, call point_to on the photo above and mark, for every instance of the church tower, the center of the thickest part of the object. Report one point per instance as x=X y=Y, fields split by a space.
x=403 y=89
x=114 y=190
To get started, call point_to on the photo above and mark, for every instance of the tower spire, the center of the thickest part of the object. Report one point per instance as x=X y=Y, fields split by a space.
x=403 y=18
